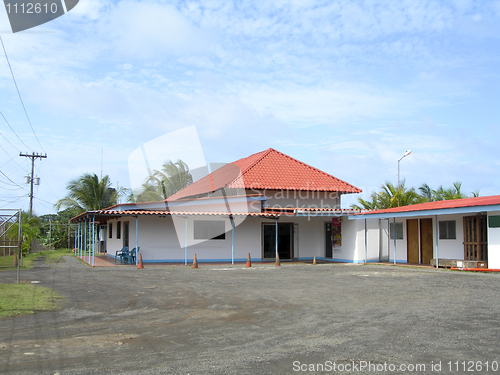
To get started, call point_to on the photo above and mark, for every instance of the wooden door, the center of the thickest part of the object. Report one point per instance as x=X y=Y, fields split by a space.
x=475 y=238
x=426 y=242
x=412 y=243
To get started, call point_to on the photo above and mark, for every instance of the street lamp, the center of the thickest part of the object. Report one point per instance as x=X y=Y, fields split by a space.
x=404 y=156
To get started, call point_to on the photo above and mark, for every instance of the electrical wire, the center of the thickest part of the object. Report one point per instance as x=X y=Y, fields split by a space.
x=11 y=158
x=20 y=98
x=14 y=134
x=46 y=181
x=8 y=178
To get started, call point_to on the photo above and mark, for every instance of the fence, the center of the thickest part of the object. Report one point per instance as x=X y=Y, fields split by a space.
x=10 y=244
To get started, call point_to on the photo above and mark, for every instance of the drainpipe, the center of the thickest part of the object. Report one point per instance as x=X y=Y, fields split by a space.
x=394 y=235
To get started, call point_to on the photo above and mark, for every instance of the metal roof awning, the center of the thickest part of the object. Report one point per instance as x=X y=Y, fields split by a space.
x=105 y=215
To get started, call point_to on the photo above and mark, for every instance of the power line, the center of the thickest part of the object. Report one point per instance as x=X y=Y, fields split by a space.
x=11 y=158
x=14 y=134
x=19 y=93
x=46 y=181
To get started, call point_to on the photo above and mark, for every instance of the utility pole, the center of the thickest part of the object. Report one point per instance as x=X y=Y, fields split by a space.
x=33 y=157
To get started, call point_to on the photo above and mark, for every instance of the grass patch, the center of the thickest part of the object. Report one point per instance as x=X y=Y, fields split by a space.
x=55 y=255
x=23 y=299
x=6 y=262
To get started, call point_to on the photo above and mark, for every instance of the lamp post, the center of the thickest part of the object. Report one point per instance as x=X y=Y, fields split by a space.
x=404 y=156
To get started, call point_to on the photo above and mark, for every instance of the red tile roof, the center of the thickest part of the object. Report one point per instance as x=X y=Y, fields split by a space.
x=438 y=205
x=267 y=170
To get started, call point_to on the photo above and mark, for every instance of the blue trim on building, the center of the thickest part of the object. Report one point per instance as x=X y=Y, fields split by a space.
x=440 y=211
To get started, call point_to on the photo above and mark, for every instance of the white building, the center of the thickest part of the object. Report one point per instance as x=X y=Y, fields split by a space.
x=271 y=203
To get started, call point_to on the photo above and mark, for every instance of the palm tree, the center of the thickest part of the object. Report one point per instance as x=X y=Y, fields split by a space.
x=454 y=192
x=427 y=193
x=162 y=184
x=89 y=193
x=390 y=196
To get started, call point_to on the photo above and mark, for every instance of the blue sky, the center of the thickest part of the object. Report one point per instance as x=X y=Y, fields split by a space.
x=346 y=86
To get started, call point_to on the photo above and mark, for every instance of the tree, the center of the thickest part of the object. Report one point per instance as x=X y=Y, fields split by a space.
x=390 y=196
x=30 y=230
x=162 y=184
x=441 y=194
x=54 y=228
x=89 y=193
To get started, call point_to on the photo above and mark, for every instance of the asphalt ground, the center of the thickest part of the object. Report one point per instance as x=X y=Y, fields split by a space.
x=222 y=319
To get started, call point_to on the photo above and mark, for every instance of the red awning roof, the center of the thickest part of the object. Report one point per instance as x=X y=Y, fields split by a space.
x=267 y=170
x=439 y=205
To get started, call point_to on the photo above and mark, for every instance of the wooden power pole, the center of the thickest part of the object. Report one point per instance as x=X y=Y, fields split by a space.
x=33 y=157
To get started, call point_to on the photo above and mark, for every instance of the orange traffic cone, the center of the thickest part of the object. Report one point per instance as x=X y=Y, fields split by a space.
x=140 y=265
x=195 y=262
x=249 y=262
x=314 y=261
x=277 y=260
x=15 y=261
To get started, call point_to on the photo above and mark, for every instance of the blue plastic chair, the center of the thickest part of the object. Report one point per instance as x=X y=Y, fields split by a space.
x=119 y=253
x=129 y=257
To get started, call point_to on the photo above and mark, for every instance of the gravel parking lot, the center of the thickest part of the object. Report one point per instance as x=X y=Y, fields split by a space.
x=297 y=318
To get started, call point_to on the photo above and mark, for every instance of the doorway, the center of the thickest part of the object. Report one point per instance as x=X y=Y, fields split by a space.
x=328 y=240
x=419 y=241
x=125 y=233
x=285 y=240
x=475 y=238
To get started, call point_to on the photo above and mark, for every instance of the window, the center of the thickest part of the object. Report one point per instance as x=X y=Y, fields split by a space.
x=447 y=230
x=119 y=230
x=209 y=230
x=110 y=226
x=399 y=231
x=494 y=221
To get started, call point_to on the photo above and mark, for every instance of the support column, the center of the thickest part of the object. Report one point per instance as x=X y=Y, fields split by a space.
x=276 y=238
x=232 y=240
x=136 y=240
x=437 y=240
x=366 y=244
x=394 y=235
x=186 y=242
x=85 y=239
x=75 y=247
x=93 y=240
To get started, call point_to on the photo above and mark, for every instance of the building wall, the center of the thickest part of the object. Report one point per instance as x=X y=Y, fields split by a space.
x=451 y=249
x=493 y=244
x=447 y=249
x=162 y=240
x=313 y=199
x=353 y=241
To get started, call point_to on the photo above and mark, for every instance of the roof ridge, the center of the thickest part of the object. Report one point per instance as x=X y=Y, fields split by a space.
x=313 y=168
x=259 y=159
